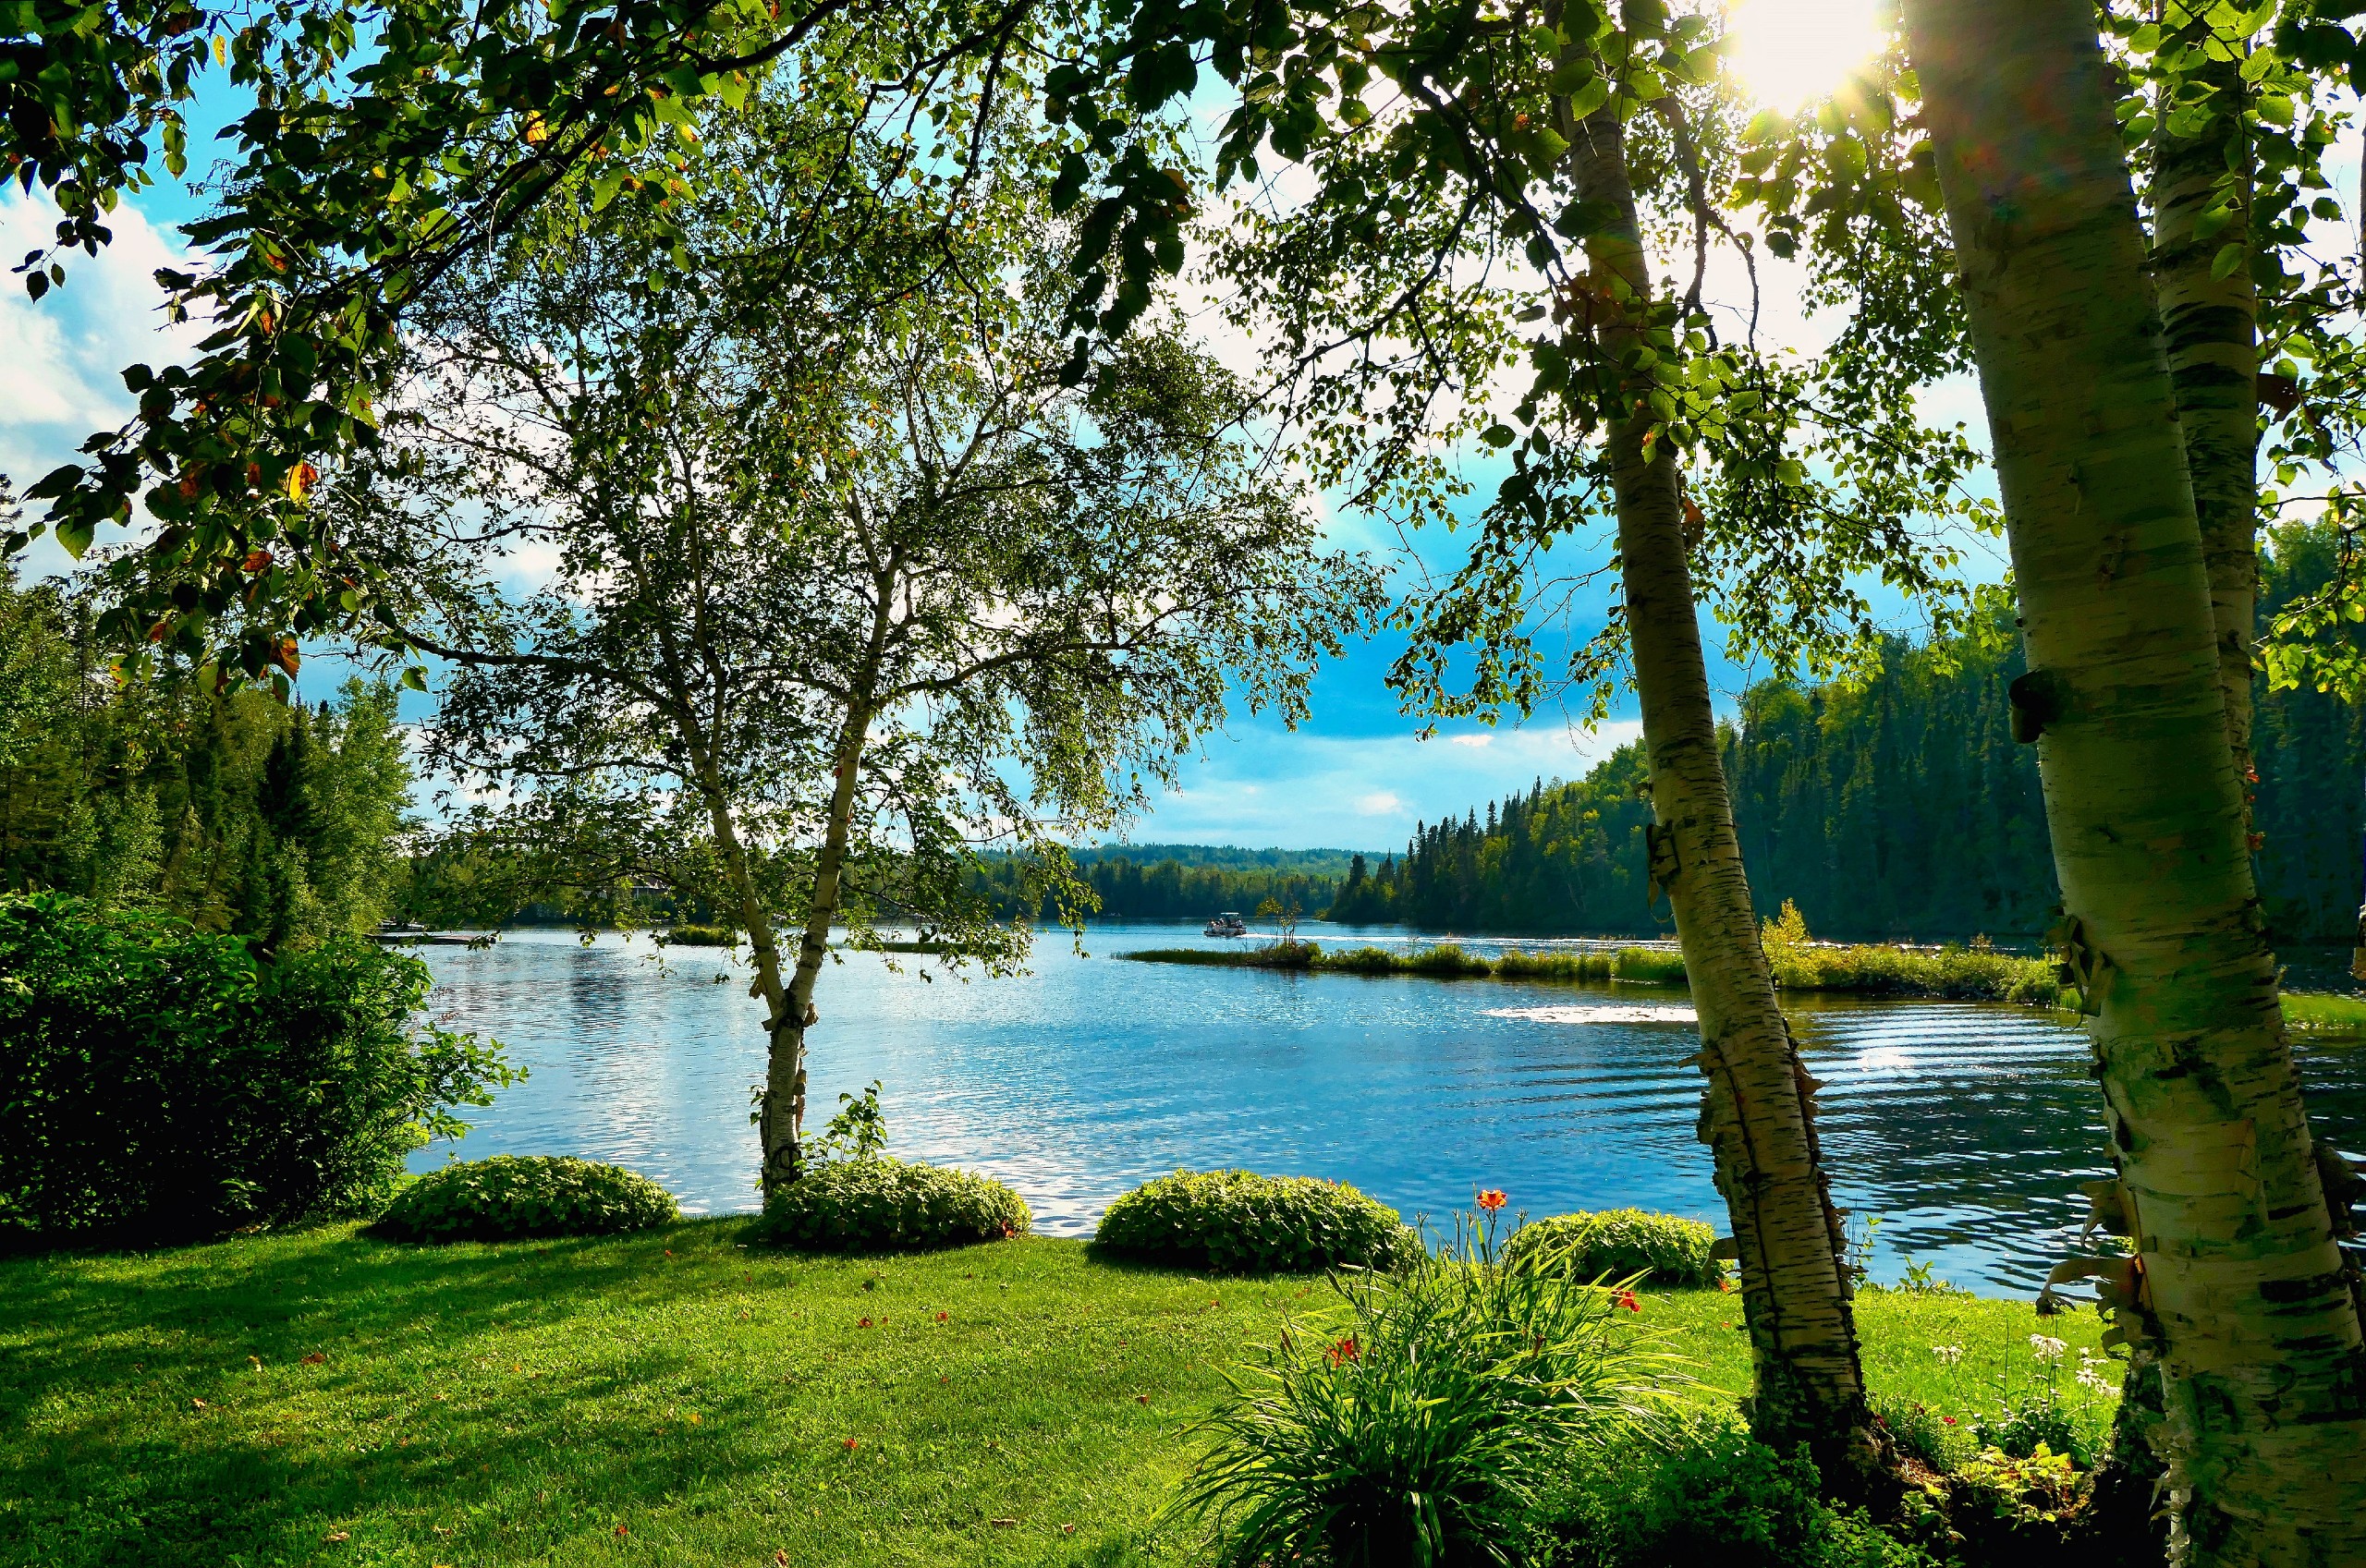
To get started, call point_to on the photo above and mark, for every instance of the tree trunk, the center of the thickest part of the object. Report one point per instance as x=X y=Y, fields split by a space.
x=1757 y=1114
x=2212 y=326
x=2238 y=1277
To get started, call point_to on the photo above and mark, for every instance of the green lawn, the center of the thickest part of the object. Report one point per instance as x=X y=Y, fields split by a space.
x=672 y=1398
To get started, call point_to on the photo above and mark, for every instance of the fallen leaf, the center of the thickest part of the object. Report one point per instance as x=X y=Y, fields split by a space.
x=442 y=1529
x=338 y=1535
x=622 y=1531
x=1004 y=1524
x=1068 y=1529
x=781 y=1557
x=257 y=1360
x=317 y=1359
x=199 y=1403
x=853 y=1443
x=694 y=1417
x=864 y=1324
x=1142 y=1399
x=944 y=1316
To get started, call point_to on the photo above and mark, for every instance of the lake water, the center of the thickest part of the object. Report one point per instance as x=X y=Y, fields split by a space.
x=1965 y=1128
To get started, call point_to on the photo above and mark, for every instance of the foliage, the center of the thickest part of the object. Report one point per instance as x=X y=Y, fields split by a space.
x=510 y=1196
x=1240 y=1222
x=885 y=1205
x=1713 y=1494
x=1624 y=1244
x=392 y=140
x=859 y=1131
x=2325 y=1011
x=238 y=812
x=162 y=1082
x=1418 y=1424
x=1648 y=966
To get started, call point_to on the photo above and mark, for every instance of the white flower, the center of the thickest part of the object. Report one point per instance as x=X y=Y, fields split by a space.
x=1948 y=1355
x=2046 y=1348
x=2092 y=1378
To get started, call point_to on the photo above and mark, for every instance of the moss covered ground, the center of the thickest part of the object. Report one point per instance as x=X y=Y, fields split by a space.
x=673 y=1397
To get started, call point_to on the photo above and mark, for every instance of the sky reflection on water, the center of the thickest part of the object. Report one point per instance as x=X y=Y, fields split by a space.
x=1966 y=1128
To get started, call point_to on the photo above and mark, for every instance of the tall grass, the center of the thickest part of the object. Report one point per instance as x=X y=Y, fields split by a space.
x=1421 y=1422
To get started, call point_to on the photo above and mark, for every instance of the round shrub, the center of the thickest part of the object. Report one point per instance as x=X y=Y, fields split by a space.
x=1622 y=1241
x=1240 y=1221
x=539 y=1195
x=878 y=1204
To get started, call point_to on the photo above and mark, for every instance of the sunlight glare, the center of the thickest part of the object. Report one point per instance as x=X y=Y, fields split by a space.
x=1789 y=52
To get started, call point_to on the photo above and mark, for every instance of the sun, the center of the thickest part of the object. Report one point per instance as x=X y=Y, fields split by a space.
x=1789 y=52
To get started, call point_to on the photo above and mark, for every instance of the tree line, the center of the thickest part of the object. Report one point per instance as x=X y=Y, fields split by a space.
x=1893 y=804
x=1182 y=882
x=281 y=822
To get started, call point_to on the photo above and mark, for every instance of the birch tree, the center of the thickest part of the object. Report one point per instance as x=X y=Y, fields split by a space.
x=2237 y=1280
x=839 y=594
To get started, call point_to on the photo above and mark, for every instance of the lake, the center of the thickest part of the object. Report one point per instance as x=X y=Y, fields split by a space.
x=1964 y=1128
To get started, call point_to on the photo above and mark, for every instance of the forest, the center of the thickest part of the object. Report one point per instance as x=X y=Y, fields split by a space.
x=1181 y=881
x=1892 y=805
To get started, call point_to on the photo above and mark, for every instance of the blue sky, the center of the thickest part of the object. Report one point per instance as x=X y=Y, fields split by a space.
x=1354 y=776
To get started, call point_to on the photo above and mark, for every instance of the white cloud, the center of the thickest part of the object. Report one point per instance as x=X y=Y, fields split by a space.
x=1261 y=788
x=1474 y=741
x=65 y=355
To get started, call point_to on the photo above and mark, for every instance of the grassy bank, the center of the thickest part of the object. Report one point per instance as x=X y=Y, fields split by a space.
x=670 y=1398
x=1945 y=973
x=1956 y=973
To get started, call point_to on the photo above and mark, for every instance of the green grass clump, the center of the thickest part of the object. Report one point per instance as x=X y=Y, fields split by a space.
x=1568 y=968
x=1649 y=966
x=539 y=1195
x=1240 y=1222
x=2326 y=1011
x=516 y=1404
x=700 y=936
x=1619 y=1243
x=879 y=1204
x=1952 y=973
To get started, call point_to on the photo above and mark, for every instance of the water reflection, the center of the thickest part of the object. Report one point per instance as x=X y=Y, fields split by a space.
x=1966 y=1127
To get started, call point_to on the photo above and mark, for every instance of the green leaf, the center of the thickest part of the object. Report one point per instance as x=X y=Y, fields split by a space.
x=2228 y=259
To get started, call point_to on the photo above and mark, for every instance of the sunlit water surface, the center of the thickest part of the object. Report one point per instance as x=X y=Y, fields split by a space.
x=1965 y=1128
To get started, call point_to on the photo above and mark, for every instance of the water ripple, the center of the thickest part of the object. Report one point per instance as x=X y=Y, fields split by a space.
x=1966 y=1128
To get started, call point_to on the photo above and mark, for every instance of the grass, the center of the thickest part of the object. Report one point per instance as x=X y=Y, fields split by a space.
x=1891 y=971
x=2325 y=1011
x=671 y=1398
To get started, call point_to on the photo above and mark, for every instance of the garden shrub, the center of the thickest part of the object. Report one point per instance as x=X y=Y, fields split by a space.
x=1622 y=1241
x=163 y=1082
x=699 y=936
x=1240 y=1222
x=878 y=1204
x=541 y=1195
x=1712 y=1494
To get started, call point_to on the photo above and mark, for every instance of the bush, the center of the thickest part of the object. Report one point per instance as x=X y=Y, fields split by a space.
x=1621 y=1242
x=161 y=1083
x=1240 y=1221
x=878 y=1204
x=1430 y=1415
x=1713 y=1495
x=1567 y=968
x=699 y=936
x=541 y=1195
